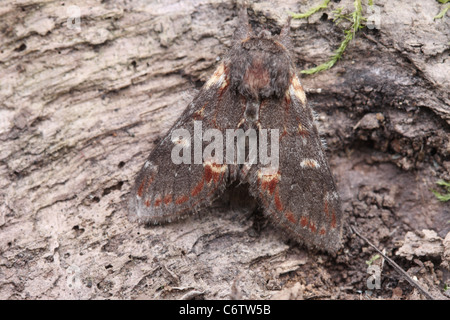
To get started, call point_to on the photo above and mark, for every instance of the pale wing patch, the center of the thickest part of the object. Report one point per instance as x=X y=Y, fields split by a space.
x=182 y=141
x=296 y=89
x=218 y=77
x=309 y=163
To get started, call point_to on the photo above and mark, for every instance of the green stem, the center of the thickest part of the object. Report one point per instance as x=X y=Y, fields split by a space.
x=442 y=13
x=311 y=11
x=446 y=186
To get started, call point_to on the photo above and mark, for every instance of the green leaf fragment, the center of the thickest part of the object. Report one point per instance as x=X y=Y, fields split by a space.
x=372 y=260
x=442 y=197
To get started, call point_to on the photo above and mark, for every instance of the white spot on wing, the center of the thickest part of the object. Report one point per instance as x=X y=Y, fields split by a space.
x=296 y=90
x=304 y=140
x=218 y=77
x=309 y=163
x=184 y=142
x=269 y=174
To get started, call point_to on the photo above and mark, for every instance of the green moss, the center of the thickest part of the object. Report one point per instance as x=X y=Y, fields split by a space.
x=443 y=197
x=311 y=11
x=338 y=16
x=373 y=259
x=356 y=19
x=442 y=13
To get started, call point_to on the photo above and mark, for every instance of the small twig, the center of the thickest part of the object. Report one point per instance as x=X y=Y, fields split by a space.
x=236 y=293
x=383 y=259
x=395 y=266
x=173 y=277
x=192 y=295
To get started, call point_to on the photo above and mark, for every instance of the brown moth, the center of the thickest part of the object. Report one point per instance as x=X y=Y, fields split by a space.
x=253 y=91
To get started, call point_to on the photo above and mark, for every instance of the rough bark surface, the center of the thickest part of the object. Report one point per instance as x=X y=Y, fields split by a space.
x=80 y=110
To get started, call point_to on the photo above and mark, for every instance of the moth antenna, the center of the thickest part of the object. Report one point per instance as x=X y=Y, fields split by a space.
x=244 y=30
x=285 y=31
x=284 y=37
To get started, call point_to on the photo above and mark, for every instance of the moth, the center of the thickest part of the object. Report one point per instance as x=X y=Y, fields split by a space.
x=254 y=91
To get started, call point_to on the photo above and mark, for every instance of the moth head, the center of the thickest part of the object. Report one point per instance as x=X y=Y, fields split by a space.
x=259 y=65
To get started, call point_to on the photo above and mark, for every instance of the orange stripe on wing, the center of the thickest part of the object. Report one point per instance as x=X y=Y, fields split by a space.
x=181 y=200
x=278 y=202
x=198 y=188
x=290 y=216
x=167 y=199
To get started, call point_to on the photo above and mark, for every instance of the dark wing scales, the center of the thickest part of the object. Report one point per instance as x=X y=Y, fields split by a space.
x=301 y=195
x=165 y=191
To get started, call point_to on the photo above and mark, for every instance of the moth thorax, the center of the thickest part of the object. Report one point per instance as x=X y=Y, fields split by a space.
x=257 y=76
x=264 y=74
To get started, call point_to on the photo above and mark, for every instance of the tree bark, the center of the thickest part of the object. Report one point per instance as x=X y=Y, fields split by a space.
x=83 y=102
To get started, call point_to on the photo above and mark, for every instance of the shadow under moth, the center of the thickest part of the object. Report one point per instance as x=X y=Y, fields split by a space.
x=249 y=124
